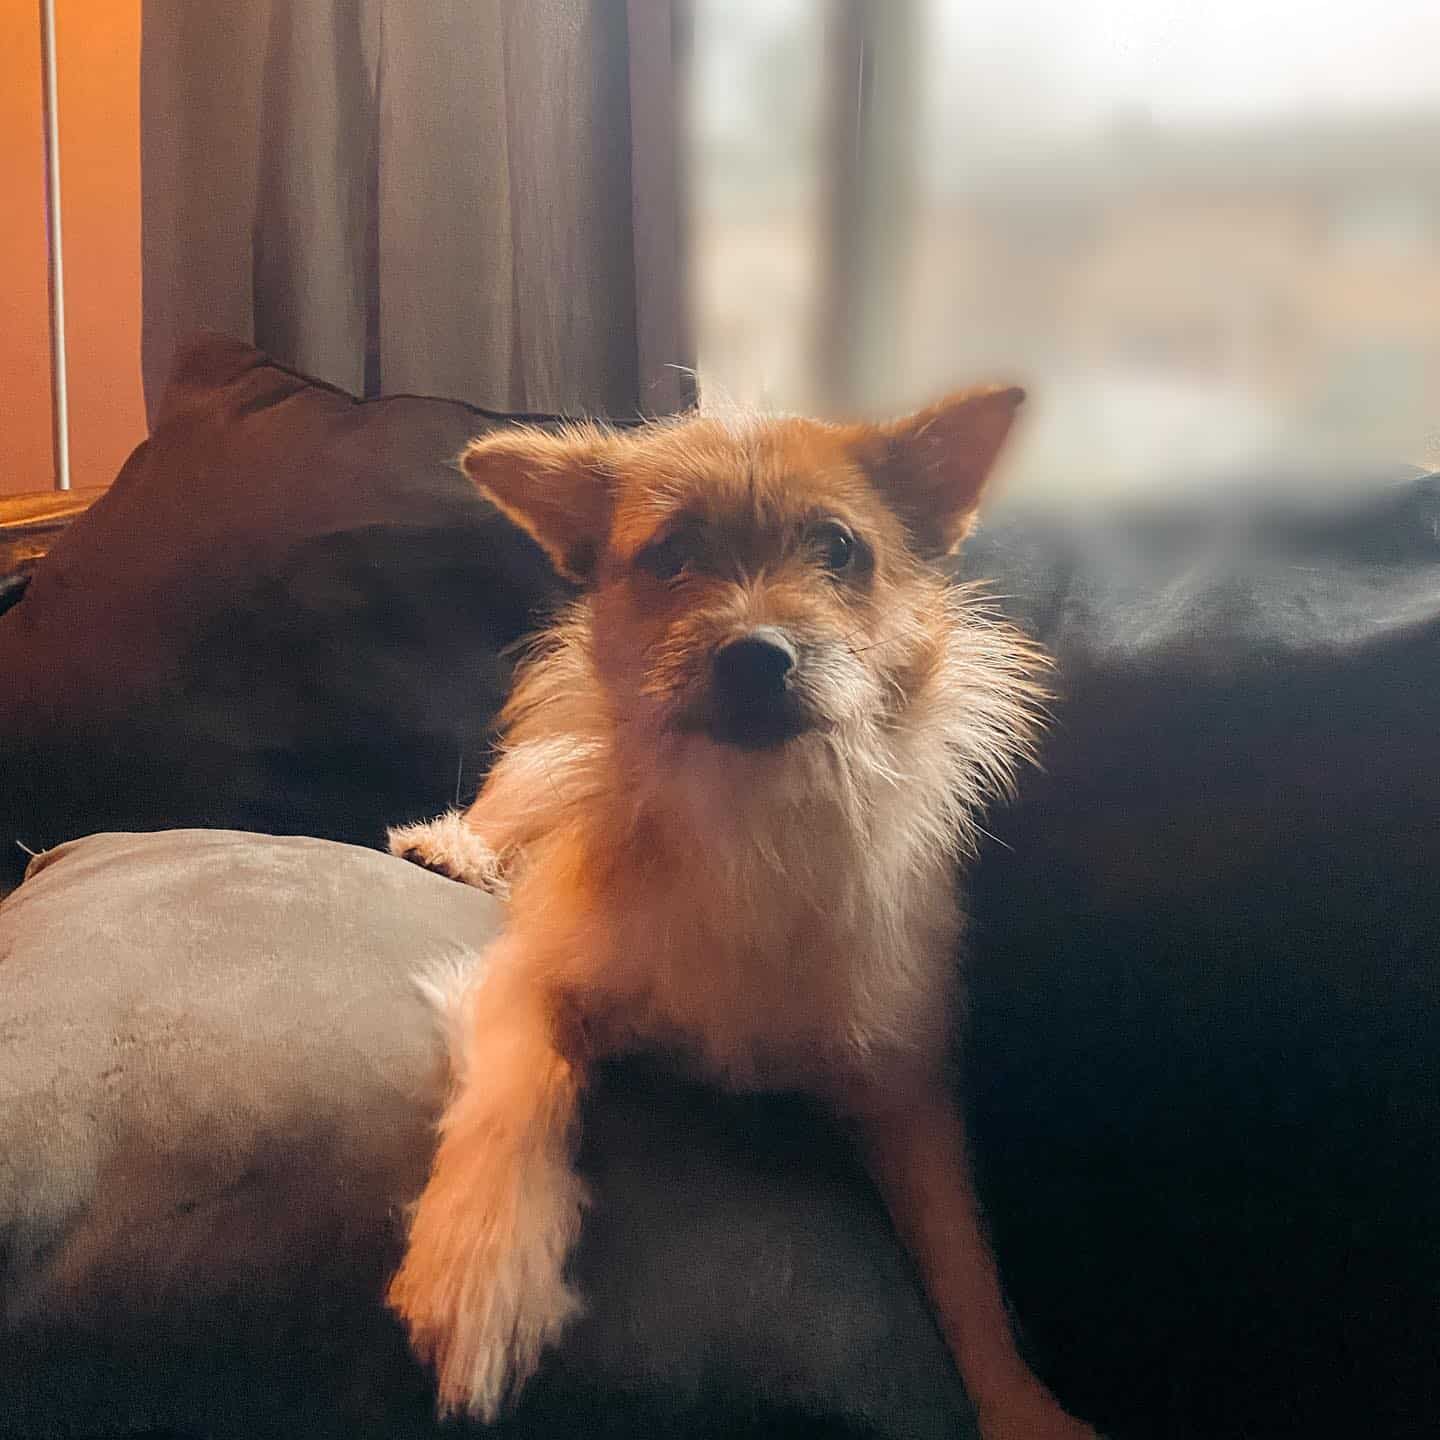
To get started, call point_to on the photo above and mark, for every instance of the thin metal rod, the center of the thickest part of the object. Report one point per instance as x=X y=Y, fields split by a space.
x=59 y=390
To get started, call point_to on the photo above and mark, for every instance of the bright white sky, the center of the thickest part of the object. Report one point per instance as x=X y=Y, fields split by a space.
x=997 y=73
x=1191 y=59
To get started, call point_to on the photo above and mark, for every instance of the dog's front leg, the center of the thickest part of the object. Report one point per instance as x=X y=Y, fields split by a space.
x=451 y=845
x=482 y=1286
x=520 y=802
x=917 y=1155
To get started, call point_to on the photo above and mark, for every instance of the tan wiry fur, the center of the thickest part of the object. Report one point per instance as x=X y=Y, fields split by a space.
x=818 y=889
x=777 y=917
x=450 y=847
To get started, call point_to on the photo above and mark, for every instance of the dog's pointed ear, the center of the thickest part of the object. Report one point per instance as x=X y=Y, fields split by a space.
x=932 y=466
x=557 y=486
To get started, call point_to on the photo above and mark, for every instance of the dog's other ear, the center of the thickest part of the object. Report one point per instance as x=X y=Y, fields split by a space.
x=932 y=466
x=557 y=486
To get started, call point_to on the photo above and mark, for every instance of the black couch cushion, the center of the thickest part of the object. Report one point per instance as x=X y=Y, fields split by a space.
x=1205 y=973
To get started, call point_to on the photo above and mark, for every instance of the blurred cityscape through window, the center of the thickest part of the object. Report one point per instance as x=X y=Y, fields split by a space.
x=1207 y=237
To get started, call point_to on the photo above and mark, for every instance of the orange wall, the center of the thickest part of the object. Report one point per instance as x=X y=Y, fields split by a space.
x=24 y=333
x=98 y=54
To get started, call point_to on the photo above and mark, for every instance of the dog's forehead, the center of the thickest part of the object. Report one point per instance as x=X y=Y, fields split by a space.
x=747 y=472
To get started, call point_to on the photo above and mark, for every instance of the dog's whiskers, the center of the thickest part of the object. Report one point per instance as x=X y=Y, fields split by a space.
x=890 y=639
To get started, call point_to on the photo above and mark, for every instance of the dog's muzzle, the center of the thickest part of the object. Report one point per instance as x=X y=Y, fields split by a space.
x=753 y=700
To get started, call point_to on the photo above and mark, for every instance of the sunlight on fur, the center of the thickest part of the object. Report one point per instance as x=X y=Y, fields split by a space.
x=736 y=780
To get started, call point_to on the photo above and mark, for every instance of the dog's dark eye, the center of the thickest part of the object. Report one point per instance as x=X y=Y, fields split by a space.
x=669 y=557
x=835 y=546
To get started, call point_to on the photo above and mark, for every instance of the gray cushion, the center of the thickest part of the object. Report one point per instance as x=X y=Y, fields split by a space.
x=217 y=1086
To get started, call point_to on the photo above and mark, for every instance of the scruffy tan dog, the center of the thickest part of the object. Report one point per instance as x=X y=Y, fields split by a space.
x=735 y=782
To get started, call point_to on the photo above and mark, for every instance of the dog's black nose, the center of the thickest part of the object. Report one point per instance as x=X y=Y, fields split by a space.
x=757 y=666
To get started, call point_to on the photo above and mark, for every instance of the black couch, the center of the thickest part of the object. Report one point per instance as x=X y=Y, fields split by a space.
x=1204 y=979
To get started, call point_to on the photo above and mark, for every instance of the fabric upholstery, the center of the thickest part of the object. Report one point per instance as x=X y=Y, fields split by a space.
x=217 y=1091
x=288 y=613
x=1205 y=968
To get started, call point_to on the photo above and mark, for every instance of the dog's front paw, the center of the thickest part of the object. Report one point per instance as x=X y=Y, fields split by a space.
x=483 y=1295
x=449 y=847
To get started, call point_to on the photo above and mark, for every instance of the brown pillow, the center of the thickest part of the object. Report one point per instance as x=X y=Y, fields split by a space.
x=287 y=614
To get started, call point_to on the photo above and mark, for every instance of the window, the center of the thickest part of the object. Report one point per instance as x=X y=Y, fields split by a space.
x=1116 y=204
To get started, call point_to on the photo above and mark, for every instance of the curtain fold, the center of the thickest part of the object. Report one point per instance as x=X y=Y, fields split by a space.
x=480 y=201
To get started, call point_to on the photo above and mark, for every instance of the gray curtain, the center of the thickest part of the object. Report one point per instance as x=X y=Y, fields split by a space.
x=475 y=199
